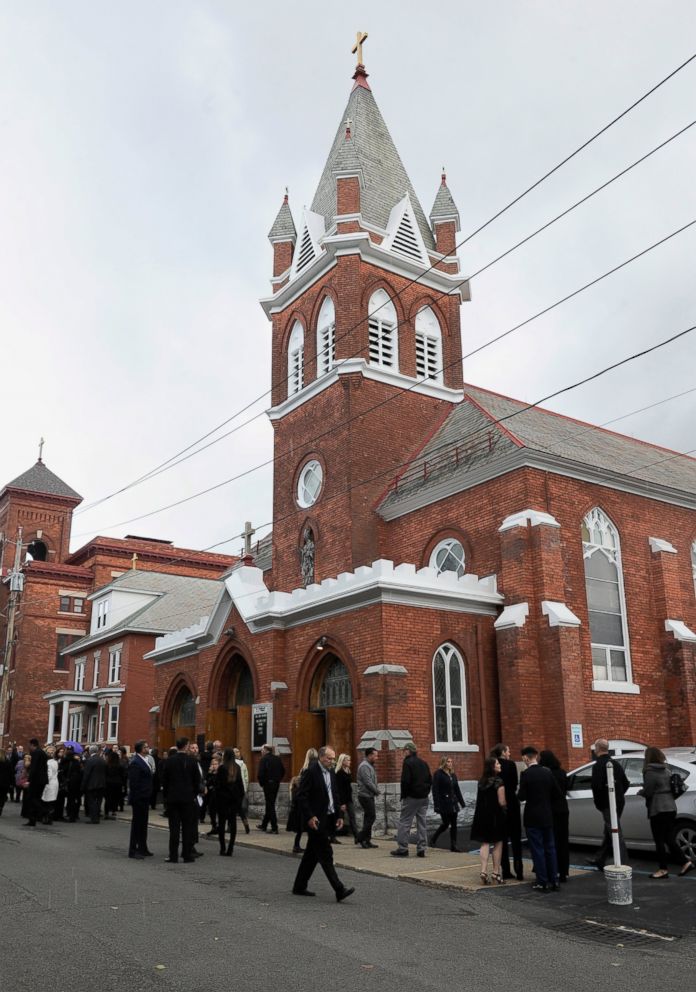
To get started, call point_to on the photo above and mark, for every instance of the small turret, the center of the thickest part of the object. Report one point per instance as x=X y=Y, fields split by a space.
x=444 y=218
x=283 y=237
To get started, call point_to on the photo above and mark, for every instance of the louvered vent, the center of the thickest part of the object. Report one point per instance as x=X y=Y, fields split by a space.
x=306 y=253
x=327 y=349
x=427 y=357
x=382 y=351
x=405 y=241
x=296 y=376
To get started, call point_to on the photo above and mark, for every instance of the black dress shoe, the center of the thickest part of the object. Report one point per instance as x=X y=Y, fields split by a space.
x=420 y=854
x=274 y=831
x=458 y=850
x=343 y=894
x=303 y=892
x=539 y=888
x=197 y=854
x=188 y=861
x=172 y=861
x=137 y=857
x=365 y=846
x=399 y=853
x=147 y=854
x=30 y=824
x=335 y=840
x=370 y=844
x=298 y=850
x=246 y=828
x=259 y=827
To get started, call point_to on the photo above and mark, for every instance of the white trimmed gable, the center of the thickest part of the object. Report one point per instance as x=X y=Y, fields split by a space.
x=403 y=234
x=308 y=245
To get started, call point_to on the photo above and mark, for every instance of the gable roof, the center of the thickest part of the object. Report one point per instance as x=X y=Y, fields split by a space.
x=39 y=479
x=180 y=601
x=488 y=434
x=372 y=148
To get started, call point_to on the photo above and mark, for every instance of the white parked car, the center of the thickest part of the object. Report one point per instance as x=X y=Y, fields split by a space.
x=586 y=824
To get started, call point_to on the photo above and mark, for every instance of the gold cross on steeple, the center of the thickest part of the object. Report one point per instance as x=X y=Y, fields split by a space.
x=357 y=47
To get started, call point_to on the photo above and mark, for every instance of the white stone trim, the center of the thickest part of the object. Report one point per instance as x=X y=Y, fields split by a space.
x=394 y=739
x=282 y=745
x=154 y=709
x=680 y=630
x=279 y=686
x=74 y=595
x=512 y=616
x=386 y=670
x=70 y=630
x=628 y=688
x=524 y=517
x=658 y=544
x=559 y=615
x=456 y=747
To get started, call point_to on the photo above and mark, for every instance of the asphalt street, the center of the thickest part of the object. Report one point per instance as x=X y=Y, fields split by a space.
x=78 y=913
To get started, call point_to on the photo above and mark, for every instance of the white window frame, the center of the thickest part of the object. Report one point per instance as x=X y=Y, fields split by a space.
x=80 y=674
x=75 y=729
x=448 y=545
x=304 y=498
x=100 y=721
x=428 y=346
x=296 y=359
x=102 y=613
x=610 y=545
x=449 y=651
x=114 y=666
x=92 y=729
x=326 y=337
x=383 y=332
x=693 y=564
x=95 y=671
x=112 y=722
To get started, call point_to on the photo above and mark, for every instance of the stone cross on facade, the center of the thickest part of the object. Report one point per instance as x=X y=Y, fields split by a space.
x=358 y=46
x=134 y=560
x=247 y=534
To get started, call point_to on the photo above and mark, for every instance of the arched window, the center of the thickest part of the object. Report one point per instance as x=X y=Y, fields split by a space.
x=606 y=603
x=383 y=331
x=336 y=688
x=326 y=337
x=296 y=359
x=449 y=696
x=37 y=551
x=428 y=345
x=185 y=710
x=693 y=563
x=448 y=556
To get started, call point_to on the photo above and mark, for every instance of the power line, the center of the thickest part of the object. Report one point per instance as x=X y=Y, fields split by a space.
x=499 y=337
x=409 y=283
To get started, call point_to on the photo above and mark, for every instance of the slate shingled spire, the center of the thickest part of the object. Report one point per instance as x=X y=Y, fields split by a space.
x=444 y=207
x=385 y=179
x=283 y=226
x=39 y=479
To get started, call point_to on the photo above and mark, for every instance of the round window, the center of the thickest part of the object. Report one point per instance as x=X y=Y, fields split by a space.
x=448 y=556
x=309 y=484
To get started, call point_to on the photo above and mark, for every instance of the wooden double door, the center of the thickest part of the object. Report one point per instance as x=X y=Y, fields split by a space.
x=232 y=727
x=333 y=726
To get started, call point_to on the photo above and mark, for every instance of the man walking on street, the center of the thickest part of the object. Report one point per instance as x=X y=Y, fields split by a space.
x=367 y=795
x=318 y=804
x=271 y=774
x=538 y=788
x=140 y=794
x=416 y=780
x=38 y=780
x=600 y=794
x=181 y=784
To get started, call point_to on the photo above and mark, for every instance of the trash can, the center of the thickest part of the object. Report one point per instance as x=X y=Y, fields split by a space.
x=619 y=884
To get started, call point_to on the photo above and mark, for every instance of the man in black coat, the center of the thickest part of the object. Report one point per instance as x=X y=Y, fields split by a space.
x=38 y=780
x=181 y=784
x=94 y=783
x=538 y=788
x=508 y=773
x=416 y=780
x=600 y=794
x=271 y=774
x=318 y=805
x=140 y=794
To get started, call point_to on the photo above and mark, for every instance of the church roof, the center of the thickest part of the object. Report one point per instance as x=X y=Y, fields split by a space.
x=283 y=226
x=444 y=206
x=385 y=179
x=39 y=479
x=472 y=446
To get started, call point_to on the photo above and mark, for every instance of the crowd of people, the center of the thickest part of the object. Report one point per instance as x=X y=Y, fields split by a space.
x=58 y=782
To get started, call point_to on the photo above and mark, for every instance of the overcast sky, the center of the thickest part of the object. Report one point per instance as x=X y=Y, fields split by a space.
x=144 y=151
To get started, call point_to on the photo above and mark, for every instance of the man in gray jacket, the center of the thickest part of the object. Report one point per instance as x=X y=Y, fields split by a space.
x=367 y=793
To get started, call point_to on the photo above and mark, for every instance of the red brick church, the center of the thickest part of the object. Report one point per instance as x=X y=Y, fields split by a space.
x=446 y=565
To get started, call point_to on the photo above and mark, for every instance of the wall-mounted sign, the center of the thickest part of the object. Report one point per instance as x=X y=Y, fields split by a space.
x=576 y=735
x=261 y=725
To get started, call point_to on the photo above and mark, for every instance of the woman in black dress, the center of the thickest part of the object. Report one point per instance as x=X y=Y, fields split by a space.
x=345 y=795
x=114 y=784
x=489 y=819
x=559 y=809
x=447 y=801
x=229 y=791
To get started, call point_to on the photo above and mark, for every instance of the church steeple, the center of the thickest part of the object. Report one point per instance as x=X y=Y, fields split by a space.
x=283 y=236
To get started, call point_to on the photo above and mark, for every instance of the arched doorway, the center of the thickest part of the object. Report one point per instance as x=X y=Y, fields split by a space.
x=184 y=714
x=228 y=718
x=330 y=716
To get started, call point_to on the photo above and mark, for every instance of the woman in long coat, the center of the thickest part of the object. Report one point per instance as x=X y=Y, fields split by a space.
x=447 y=801
x=229 y=790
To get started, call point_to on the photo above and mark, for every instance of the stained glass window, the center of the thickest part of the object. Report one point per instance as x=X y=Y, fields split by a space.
x=449 y=696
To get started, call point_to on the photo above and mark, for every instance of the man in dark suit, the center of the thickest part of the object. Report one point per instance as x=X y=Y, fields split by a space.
x=94 y=783
x=181 y=784
x=538 y=788
x=600 y=794
x=140 y=794
x=271 y=774
x=508 y=773
x=38 y=780
x=318 y=804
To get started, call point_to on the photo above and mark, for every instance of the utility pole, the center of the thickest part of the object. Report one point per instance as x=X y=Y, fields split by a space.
x=16 y=581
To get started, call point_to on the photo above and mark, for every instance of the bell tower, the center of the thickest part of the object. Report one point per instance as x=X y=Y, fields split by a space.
x=366 y=346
